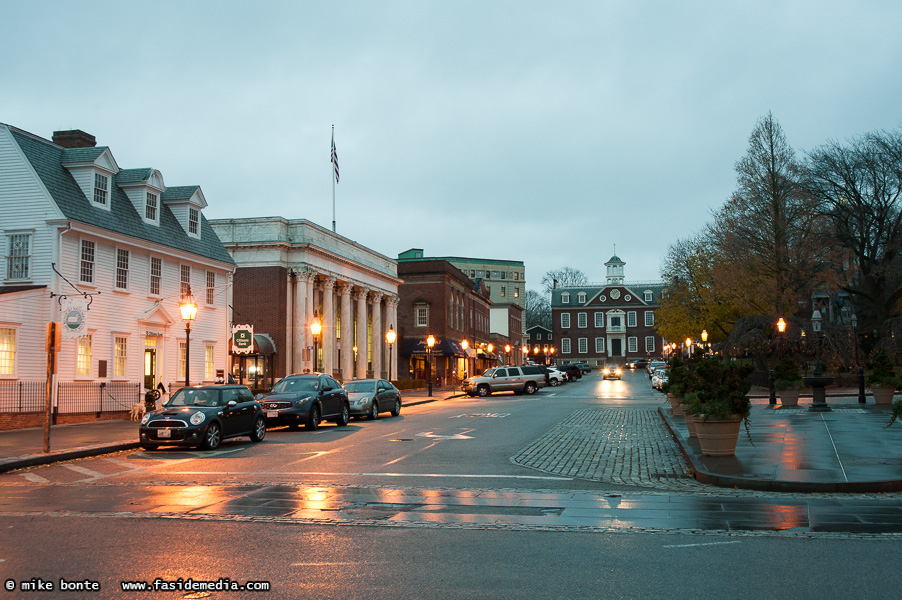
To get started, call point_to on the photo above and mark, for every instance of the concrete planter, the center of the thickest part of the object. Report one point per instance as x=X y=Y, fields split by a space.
x=883 y=394
x=718 y=437
x=676 y=406
x=790 y=397
x=691 y=421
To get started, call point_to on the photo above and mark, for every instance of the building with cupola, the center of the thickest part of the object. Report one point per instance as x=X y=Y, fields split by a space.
x=600 y=323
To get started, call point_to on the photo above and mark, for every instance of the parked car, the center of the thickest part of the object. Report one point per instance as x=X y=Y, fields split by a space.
x=583 y=367
x=369 y=397
x=652 y=365
x=639 y=363
x=572 y=371
x=554 y=377
x=306 y=400
x=203 y=416
x=526 y=379
x=658 y=377
x=612 y=372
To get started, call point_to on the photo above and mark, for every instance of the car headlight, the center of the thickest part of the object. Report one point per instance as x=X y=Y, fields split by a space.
x=197 y=418
x=301 y=402
x=145 y=419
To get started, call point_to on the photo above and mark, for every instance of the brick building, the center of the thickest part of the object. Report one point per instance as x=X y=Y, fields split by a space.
x=614 y=321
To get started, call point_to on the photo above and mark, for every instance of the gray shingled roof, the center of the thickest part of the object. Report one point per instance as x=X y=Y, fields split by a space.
x=133 y=175
x=48 y=158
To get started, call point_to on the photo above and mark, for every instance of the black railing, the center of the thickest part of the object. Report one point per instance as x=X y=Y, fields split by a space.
x=22 y=396
x=97 y=397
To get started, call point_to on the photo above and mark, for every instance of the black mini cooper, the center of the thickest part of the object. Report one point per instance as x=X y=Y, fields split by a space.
x=203 y=416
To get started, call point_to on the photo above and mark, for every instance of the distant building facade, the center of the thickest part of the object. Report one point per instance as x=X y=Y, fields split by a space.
x=614 y=321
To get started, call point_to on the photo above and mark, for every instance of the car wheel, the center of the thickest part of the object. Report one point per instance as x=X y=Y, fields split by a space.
x=345 y=415
x=396 y=410
x=374 y=411
x=530 y=387
x=212 y=437
x=572 y=377
x=483 y=390
x=553 y=382
x=149 y=446
x=313 y=419
x=259 y=431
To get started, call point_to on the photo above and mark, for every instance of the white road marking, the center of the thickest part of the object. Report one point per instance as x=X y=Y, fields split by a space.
x=397 y=460
x=34 y=478
x=336 y=564
x=697 y=545
x=457 y=436
x=435 y=475
x=85 y=471
x=125 y=463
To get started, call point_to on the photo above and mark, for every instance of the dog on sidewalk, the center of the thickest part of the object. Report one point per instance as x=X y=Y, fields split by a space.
x=137 y=412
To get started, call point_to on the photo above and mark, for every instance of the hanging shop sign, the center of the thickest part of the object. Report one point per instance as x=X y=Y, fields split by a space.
x=242 y=339
x=75 y=317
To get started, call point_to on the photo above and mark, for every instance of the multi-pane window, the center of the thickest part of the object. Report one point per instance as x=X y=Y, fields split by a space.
x=120 y=354
x=183 y=349
x=516 y=275
x=581 y=297
x=516 y=292
x=121 y=269
x=150 y=207
x=599 y=319
x=649 y=343
x=86 y=266
x=648 y=296
x=156 y=275
x=422 y=316
x=565 y=320
x=616 y=321
x=632 y=344
x=538 y=335
x=649 y=318
x=582 y=345
x=565 y=345
x=7 y=351
x=101 y=188
x=503 y=291
x=599 y=345
x=83 y=361
x=209 y=362
x=211 y=288
x=18 y=256
x=185 y=278
x=631 y=318
x=582 y=320
x=193 y=220
x=565 y=298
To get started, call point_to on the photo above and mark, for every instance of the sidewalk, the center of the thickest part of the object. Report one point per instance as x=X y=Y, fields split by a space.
x=848 y=449
x=20 y=448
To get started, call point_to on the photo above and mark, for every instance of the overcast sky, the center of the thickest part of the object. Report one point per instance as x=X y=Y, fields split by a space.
x=545 y=132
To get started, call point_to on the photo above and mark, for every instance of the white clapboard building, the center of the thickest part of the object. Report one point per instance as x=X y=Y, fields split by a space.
x=108 y=253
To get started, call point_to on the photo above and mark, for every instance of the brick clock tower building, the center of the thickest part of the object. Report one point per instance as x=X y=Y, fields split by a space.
x=610 y=322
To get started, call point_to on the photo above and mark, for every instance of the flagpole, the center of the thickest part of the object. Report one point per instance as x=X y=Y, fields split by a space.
x=333 y=179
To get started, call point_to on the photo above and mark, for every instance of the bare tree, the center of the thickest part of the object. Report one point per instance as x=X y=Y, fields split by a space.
x=537 y=310
x=563 y=277
x=859 y=188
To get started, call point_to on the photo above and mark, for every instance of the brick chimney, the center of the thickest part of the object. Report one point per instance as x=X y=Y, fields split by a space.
x=74 y=138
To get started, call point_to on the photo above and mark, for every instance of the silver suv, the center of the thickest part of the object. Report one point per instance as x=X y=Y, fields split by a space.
x=521 y=380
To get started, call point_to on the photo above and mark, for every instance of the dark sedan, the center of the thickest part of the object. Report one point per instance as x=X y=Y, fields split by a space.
x=203 y=416
x=306 y=400
x=369 y=397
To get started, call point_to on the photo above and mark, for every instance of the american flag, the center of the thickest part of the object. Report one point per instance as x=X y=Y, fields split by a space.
x=334 y=157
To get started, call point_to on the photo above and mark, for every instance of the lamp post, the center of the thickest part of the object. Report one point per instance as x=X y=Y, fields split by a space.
x=525 y=353
x=781 y=329
x=818 y=382
x=390 y=336
x=507 y=352
x=188 y=310
x=316 y=327
x=465 y=344
x=552 y=354
x=689 y=347
x=430 y=342
x=705 y=339
x=858 y=364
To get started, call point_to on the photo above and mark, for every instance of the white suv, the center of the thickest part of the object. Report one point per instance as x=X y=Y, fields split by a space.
x=526 y=380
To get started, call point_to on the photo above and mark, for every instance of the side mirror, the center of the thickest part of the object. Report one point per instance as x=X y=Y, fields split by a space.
x=258 y=397
x=327 y=389
x=232 y=404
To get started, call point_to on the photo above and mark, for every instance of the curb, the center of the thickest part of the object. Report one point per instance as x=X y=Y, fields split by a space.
x=35 y=460
x=703 y=475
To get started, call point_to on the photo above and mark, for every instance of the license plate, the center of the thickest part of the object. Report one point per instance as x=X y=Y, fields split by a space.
x=272 y=414
x=164 y=433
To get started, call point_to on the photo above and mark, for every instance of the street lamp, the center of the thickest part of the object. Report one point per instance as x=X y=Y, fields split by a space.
x=188 y=309
x=525 y=353
x=430 y=342
x=507 y=352
x=857 y=364
x=689 y=347
x=390 y=336
x=545 y=354
x=316 y=327
x=465 y=344
x=552 y=350
x=705 y=339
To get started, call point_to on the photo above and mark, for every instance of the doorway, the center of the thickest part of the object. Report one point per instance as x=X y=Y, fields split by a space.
x=150 y=367
x=616 y=347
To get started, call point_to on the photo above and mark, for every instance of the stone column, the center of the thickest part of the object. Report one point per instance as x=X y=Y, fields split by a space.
x=393 y=321
x=289 y=325
x=300 y=322
x=328 y=335
x=360 y=295
x=378 y=335
x=347 y=332
x=309 y=304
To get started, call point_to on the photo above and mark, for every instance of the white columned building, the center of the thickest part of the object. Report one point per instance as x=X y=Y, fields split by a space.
x=292 y=270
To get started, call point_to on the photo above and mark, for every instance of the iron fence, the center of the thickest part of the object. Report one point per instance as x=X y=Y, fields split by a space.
x=22 y=396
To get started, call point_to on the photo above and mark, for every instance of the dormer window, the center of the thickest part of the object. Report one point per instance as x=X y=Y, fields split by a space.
x=101 y=189
x=151 y=207
x=565 y=298
x=648 y=295
x=581 y=297
x=193 y=220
